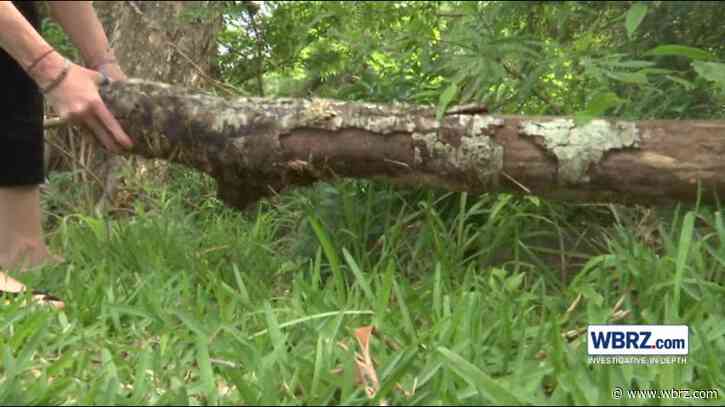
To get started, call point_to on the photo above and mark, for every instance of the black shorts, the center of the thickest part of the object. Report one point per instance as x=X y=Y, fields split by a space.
x=21 y=118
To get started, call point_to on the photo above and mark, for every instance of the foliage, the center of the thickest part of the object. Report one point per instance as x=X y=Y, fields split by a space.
x=637 y=60
x=59 y=40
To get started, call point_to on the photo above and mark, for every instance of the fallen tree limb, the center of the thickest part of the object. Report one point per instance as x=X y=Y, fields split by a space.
x=255 y=147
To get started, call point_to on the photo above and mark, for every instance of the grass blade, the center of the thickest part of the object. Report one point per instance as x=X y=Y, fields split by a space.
x=487 y=386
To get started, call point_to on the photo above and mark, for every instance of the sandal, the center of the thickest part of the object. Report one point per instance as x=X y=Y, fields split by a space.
x=44 y=297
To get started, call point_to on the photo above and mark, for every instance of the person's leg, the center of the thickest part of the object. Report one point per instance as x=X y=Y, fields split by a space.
x=21 y=171
x=21 y=235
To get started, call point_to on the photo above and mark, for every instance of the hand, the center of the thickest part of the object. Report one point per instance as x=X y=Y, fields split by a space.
x=77 y=99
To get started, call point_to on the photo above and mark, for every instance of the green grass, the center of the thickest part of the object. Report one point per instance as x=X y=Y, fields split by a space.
x=182 y=301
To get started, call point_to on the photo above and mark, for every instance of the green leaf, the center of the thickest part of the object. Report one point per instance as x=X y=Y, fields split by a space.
x=635 y=15
x=683 y=251
x=590 y=294
x=190 y=323
x=317 y=372
x=275 y=331
x=331 y=253
x=514 y=282
x=634 y=64
x=206 y=374
x=312 y=318
x=582 y=118
x=594 y=262
x=243 y=292
x=712 y=71
x=685 y=83
x=486 y=385
x=405 y=320
x=655 y=71
x=680 y=50
x=359 y=276
x=445 y=99
x=140 y=384
x=638 y=78
x=597 y=106
x=601 y=102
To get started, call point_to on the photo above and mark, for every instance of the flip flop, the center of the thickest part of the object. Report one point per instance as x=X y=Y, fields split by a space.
x=45 y=298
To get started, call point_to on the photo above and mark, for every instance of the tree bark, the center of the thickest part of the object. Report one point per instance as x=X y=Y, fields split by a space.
x=170 y=41
x=255 y=147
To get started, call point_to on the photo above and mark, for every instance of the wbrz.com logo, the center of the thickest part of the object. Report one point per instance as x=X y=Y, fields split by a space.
x=638 y=339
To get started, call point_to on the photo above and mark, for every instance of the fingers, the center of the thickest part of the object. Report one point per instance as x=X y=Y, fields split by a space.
x=78 y=99
x=104 y=126
x=102 y=134
x=111 y=124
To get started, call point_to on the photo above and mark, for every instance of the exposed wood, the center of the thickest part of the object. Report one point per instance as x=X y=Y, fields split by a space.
x=254 y=147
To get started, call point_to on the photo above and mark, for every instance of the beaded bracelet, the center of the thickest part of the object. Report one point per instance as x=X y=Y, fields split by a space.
x=54 y=84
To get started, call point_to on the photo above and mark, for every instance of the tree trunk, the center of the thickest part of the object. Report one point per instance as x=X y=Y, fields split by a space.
x=169 y=41
x=254 y=147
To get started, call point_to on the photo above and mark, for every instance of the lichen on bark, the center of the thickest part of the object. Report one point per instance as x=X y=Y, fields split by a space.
x=473 y=150
x=576 y=148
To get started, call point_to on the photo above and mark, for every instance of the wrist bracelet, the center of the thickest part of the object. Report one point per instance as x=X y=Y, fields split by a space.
x=54 y=84
x=37 y=61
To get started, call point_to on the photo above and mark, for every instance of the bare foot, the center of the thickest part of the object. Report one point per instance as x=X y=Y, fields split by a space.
x=11 y=287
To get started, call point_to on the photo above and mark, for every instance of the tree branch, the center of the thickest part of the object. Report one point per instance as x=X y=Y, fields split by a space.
x=256 y=146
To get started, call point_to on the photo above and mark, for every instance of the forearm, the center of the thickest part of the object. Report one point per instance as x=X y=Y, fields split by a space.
x=20 y=40
x=79 y=21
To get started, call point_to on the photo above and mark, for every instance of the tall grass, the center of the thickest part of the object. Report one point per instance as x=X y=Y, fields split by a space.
x=475 y=299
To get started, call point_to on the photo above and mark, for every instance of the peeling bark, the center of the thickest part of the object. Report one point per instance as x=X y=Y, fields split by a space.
x=254 y=147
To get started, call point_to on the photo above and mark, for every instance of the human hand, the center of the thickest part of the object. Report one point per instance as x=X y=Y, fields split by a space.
x=76 y=98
